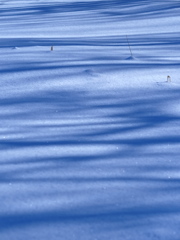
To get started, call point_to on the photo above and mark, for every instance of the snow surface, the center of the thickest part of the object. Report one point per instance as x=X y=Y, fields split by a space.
x=89 y=135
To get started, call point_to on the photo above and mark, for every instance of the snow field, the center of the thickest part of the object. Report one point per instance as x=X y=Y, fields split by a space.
x=89 y=137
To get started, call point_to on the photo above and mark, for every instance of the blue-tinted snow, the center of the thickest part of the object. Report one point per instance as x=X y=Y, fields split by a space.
x=89 y=135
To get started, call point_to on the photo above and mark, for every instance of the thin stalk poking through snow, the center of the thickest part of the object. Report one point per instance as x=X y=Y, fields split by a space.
x=129 y=46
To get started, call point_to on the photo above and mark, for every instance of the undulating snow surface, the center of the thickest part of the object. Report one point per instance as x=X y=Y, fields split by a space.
x=89 y=134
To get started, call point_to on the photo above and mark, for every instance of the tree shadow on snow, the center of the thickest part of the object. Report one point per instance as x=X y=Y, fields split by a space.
x=126 y=184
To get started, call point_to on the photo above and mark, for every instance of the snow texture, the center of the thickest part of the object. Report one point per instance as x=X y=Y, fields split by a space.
x=90 y=132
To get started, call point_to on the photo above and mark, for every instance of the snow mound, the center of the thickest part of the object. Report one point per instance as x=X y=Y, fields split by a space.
x=14 y=48
x=131 y=58
x=90 y=72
